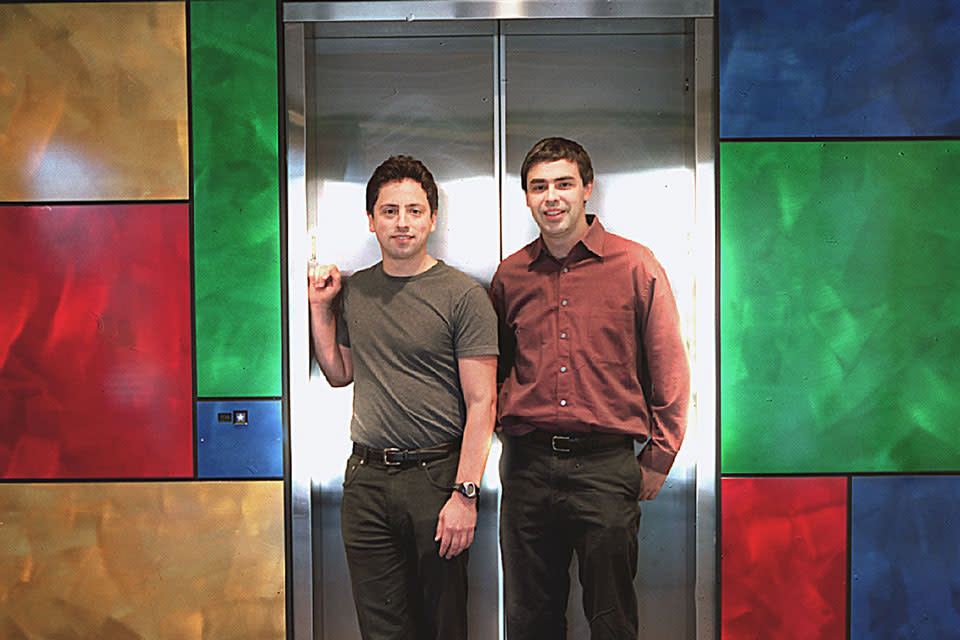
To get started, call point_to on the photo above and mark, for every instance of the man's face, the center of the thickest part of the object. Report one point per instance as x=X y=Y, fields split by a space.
x=402 y=220
x=557 y=196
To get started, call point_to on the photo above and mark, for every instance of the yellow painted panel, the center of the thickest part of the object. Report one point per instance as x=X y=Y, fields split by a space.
x=171 y=560
x=93 y=101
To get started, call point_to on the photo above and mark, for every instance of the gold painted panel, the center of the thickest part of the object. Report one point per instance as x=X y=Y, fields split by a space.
x=171 y=560
x=93 y=101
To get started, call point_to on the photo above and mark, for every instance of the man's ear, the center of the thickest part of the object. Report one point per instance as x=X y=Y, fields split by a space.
x=370 y=220
x=587 y=191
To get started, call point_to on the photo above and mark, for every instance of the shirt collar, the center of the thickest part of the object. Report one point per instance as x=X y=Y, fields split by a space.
x=592 y=242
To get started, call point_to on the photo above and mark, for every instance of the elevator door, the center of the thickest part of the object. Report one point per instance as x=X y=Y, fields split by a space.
x=469 y=98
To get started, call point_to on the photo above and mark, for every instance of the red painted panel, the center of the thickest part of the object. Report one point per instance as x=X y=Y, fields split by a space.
x=784 y=558
x=95 y=342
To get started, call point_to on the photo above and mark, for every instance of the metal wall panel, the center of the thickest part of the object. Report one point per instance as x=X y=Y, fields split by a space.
x=470 y=10
x=239 y=439
x=839 y=306
x=233 y=64
x=905 y=569
x=95 y=342
x=93 y=101
x=822 y=68
x=784 y=558
x=300 y=467
x=142 y=560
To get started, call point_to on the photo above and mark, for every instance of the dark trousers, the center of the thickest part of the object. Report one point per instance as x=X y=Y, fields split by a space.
x=402 y=588
x=556 y=504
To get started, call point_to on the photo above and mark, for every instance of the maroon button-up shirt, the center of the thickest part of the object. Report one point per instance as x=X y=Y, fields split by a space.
x=592 y=343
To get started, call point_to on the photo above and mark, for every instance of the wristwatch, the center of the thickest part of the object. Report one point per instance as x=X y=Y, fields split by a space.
x=469 y=489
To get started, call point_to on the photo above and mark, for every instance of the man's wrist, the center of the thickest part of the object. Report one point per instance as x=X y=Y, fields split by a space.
x=467 y=489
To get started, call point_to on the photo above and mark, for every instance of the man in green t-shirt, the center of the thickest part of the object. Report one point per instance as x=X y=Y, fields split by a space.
x=419 y=341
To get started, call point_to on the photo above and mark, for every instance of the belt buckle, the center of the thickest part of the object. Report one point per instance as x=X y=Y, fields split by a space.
x=386 y=457
x=556 y=448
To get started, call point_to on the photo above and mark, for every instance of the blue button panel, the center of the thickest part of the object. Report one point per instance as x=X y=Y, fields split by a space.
x=858 y=68
x=905 y=568
x=239 y=439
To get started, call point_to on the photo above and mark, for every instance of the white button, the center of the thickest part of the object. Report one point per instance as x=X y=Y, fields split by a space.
x=563 y=303
x=563 y=369
x=563 y=335
x=565 y=269
x=563 y=403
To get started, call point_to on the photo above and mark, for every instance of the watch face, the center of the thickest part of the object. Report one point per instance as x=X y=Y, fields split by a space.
x=468 y=489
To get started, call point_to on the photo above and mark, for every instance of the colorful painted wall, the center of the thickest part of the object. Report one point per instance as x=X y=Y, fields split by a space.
x=840 y=319
x=141 y=448
x=141 y=439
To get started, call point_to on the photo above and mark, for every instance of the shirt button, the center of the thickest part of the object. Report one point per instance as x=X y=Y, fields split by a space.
x=563 y=369
x=563 y=403
x=565 y=269
x=563 y=335
x=563 y=303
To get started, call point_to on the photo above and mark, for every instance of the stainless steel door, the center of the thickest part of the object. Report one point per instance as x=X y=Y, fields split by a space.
x=469 y=97
x=624 y=92
x=377 y=92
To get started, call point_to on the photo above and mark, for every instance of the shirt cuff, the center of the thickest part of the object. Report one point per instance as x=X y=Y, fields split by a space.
x=659 y=460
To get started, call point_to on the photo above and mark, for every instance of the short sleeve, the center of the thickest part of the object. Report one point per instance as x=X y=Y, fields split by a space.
x=475 y=324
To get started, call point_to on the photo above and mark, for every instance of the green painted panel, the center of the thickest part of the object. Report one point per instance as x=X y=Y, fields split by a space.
x=234 y=66
x=840 y=309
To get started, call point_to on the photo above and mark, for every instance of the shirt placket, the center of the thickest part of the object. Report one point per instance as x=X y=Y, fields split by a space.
x=564 y=387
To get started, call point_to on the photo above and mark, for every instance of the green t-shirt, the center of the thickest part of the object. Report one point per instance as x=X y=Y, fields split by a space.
x=405 y=335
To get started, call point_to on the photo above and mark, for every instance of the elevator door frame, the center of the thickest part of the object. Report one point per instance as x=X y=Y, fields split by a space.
x=295 y=15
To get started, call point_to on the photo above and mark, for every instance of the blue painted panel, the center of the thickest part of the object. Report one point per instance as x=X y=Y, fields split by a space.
x=239 y=439
x=905 y=560
x=827 y=68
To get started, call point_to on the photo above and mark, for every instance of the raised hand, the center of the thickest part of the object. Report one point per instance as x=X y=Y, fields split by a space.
x=324 y=284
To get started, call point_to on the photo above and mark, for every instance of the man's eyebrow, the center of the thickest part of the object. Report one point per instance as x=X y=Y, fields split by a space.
x=558 y=179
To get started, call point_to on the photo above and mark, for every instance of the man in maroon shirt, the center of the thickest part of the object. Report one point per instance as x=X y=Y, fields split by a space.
x=592 y=361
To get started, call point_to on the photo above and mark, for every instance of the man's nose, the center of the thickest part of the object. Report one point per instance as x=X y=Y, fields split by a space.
x=551 y=192
x=402 y=219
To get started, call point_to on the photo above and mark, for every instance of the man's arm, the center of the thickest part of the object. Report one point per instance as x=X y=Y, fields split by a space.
x=669 y=372
x=505 y=336
x=334 y=359
x=458 y=518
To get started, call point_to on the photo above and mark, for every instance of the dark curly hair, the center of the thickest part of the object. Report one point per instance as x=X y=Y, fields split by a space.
x=397 y=169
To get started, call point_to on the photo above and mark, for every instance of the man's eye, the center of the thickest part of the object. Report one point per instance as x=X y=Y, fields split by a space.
x=537 y=188
x=565 y=184
x=388 y=211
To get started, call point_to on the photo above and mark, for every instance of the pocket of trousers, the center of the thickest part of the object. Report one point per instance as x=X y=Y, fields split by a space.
x=354 y=467
x=441 y=473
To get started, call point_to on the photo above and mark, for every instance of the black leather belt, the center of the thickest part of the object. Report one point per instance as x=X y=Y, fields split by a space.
x=394 y=457
x=576 y=443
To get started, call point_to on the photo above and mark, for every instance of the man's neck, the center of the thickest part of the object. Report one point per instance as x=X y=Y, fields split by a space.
x=561 y=247
x=558 y=250
x=408 y=267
